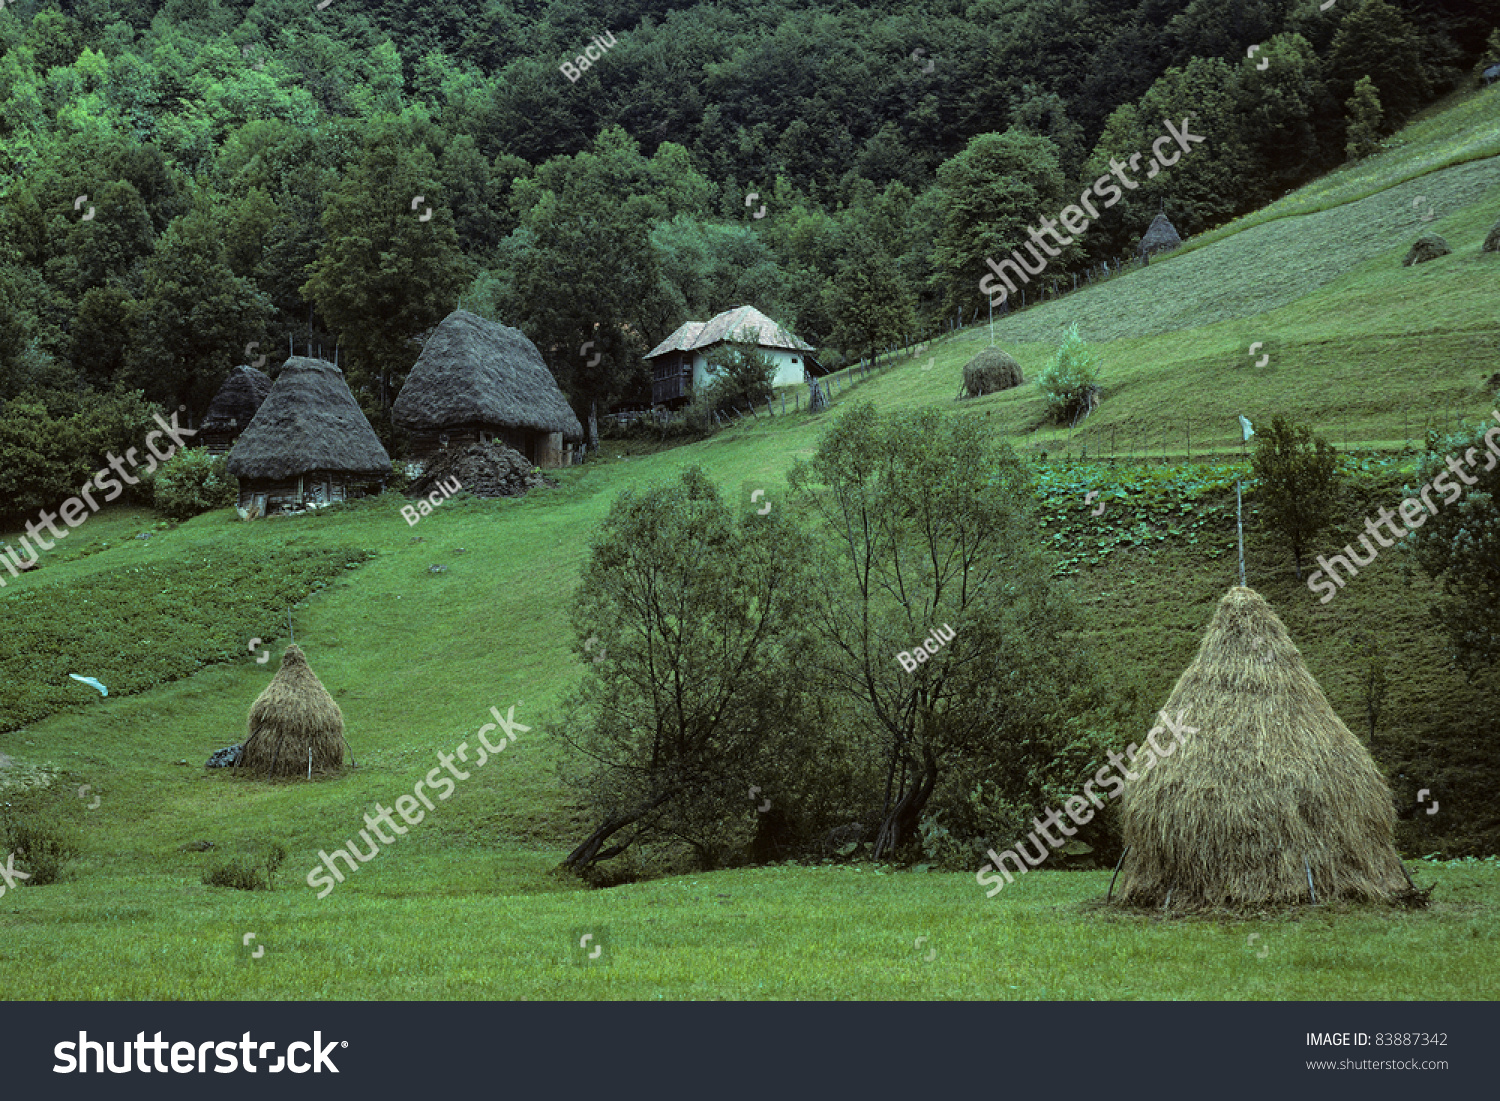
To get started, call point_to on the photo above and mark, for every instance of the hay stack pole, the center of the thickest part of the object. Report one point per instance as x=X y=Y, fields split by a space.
x=1270 y=796
x=294 y=717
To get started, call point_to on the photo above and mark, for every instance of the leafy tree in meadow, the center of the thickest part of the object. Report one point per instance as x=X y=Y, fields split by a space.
x=1071 y=379
x=925 y=526
x=687 y=619
x=1460 y=546
x=868 y=299
x=1299 y=479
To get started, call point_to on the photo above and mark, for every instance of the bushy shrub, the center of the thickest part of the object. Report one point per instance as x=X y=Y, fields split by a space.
x=247 y=873
x=1071 y=380
x=193 y=482
x=41 y=847
x=740 y=376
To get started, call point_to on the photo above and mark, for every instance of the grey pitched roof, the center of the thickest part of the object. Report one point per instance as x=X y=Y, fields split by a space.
x=238 y=399
x=477 y=371
x=309 y=421
x=738 y=322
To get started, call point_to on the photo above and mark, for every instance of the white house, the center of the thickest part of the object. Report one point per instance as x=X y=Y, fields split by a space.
x=680 y=363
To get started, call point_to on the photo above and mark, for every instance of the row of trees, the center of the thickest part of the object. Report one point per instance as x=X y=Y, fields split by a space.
x=183 y=186
x=758 y=654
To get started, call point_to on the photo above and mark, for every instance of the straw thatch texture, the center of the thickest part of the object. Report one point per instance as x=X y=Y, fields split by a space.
x=1492 y=242
x=1161 y=236
x=1271 y=779
x=238 y=400
x=293 y=715
x=990 y=372
x=473 y=371
x=482 y=469
x=309 y=422
x=1427 y=247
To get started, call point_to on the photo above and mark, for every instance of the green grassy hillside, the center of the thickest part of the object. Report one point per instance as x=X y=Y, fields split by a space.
x=467 y=904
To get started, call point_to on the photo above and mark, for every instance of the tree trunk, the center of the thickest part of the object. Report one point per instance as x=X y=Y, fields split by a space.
x=900 y=822
x=593 y=426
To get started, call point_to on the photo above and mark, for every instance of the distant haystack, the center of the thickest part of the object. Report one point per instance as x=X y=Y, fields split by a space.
x=309 y=444
x=1427 y=247
x=233 y=408
x=295 y=725
x=991 y=371
x=1492 y=242
x=1161 y=236
x=1271 y=801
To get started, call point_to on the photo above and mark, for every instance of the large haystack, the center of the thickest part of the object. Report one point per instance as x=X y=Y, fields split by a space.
x=481 y=469
x=1161 y=236
x=990 y=372
x=293 y=722
x=1427 y=247
x=1271 y=788
x=1492 y=242
x=477 y=381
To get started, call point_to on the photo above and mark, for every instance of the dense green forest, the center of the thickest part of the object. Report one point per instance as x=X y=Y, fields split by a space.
x=188 y=185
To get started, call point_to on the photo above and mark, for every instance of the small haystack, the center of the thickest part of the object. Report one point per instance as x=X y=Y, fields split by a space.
x=1427 y=247
x=233 y=408
x=1161 y=236
x=990 y=372
x=293 y=722
x=1492 y=242
x=1270 y=790
x=482 y=469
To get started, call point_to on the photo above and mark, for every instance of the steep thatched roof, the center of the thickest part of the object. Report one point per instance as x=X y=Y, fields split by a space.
x=308 y=422
x=990 y=371
x=1272 y=785
x=238 y=400
x=1161 y=236
x=294 y=724
x=474 y=371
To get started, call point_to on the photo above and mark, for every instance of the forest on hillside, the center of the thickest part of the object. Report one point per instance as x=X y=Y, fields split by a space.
x=190 y=184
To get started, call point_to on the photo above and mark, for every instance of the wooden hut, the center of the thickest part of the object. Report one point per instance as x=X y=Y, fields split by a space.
x=233 y=408
x=478 y=381
x=309 y=444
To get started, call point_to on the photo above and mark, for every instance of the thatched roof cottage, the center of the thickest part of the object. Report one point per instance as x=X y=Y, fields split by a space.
x=1161 y=236
x=1267 y=799
x=478 y=381
x=308 y=445
x=679 y=364
x=233 y=408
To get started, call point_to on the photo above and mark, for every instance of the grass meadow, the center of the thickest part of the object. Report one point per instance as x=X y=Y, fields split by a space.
x=469 y=904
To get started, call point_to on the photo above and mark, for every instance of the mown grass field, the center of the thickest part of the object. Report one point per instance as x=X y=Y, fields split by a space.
x=468 y=906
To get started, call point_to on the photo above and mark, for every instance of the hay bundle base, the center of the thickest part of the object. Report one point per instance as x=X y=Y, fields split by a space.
x=482 y=469
x=990 y=372
x=294 y=726
x=1492 y=241
x=1271 y=790
x=1427 y=247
